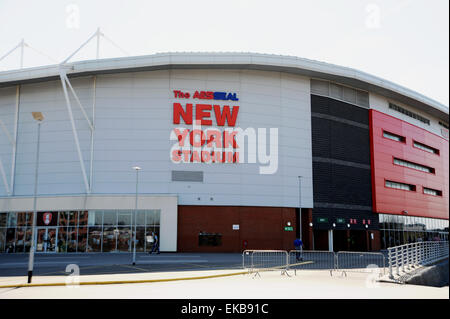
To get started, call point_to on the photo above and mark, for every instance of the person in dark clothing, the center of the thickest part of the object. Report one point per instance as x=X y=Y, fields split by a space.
x=298 y=247
x=155 y=244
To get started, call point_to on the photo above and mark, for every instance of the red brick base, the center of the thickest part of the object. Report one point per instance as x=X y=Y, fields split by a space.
x=259 y=227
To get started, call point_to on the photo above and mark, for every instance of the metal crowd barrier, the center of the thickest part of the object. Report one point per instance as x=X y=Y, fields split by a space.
x=257 y=260
x=345 y=261
x=405 y=258
x=366 y=262
x=311 y=260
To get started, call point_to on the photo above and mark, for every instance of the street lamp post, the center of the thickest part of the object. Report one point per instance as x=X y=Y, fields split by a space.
x=39 y=118
x=137 y=169
x=300 y=204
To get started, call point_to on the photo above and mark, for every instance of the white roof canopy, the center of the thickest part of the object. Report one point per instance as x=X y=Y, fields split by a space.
x=253 y=61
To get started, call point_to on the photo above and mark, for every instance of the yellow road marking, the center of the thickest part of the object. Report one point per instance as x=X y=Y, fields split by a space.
x=118 y=282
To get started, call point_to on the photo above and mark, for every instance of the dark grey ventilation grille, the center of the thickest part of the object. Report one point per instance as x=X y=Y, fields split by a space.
x=409 y=113
x=340 y=92
x=187 y=176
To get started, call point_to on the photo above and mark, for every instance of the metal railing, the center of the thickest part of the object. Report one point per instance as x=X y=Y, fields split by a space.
x=262 y=260
x=366 y=262
x=311 y=260
x=257 y=260
x=405 y=258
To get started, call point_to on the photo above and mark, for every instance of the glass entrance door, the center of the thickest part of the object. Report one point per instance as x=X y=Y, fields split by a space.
x=46 y=239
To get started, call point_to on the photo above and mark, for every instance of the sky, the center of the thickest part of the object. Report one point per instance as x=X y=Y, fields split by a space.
x=403 y=41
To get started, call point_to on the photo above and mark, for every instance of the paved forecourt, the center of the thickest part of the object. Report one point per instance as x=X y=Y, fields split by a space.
x=220 y=284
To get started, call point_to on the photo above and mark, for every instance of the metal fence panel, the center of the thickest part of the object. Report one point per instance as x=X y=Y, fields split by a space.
x=360 y=261
x=311 y=260
x=255 y=260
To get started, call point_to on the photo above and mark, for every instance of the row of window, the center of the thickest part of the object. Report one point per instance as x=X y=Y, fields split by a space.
x=340 y=92
x=402 y=139
x=78 y=231
x=413 y=223
x=412 y=188
x=78 y=239
x=81 y=218
x=398 y=230
x=425 y=148
x=412 y=165
x=409 y=113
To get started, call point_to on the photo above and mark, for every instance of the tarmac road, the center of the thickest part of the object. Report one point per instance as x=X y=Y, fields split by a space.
x=111 y=263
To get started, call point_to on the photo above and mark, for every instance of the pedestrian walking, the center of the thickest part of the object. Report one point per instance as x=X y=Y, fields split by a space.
x=298 y=247
x=155 y=244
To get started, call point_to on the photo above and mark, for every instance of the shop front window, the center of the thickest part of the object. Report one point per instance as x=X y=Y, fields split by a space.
x=83 y=219
x=10 y=240
x=124 y=239
x=72 y=239
x=63 y=218
x=109 y=239
x=12 y=220
x=2 y=239
x=140 y=238
x=124 y=218
x=81 y=231
x=20 y=238
x=82 y=238
x=62 y=239
x=94 y=239
x=3 y=219
x=110 y=218
x=73 y=219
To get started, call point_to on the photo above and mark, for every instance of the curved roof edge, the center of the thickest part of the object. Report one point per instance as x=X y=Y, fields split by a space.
x=253 y=61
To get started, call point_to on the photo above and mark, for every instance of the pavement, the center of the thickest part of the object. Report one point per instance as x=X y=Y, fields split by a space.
x=267 y=285
x=190 y=276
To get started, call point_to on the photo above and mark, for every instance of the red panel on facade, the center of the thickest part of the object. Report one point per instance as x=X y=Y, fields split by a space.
x=384 y=150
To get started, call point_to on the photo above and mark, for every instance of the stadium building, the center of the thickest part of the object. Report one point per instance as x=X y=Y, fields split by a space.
x=236 y=151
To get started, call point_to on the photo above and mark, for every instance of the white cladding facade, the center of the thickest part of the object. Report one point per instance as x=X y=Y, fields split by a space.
x=133 y=117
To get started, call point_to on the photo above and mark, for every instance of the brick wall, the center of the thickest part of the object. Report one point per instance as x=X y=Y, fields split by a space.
x=261 y=227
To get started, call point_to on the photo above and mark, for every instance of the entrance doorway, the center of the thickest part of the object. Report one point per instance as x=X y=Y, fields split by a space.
x=46 y=241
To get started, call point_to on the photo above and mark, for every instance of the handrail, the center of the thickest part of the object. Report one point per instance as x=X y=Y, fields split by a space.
x=407 y=257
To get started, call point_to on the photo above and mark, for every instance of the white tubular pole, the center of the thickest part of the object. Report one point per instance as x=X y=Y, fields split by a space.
x=5 y=130
x=5 y=180
x=135 y=216
x=300 y=205
x=78 y=101
x=22 y=46
x=14 y=151
x=33 y=232
x=91 y=168
x=75 y=135
x=76 y=51
x=114 y=44
x=98 y=44
x=10 y=51
x=41 y=53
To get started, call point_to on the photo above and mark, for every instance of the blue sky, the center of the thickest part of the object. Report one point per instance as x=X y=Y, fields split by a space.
x=404 y=41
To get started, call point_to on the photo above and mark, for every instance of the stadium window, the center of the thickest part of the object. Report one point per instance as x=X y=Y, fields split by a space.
x=426 y=148
x=412 y=165
x=394 y=137
x=433 y=192
x=402 y=186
